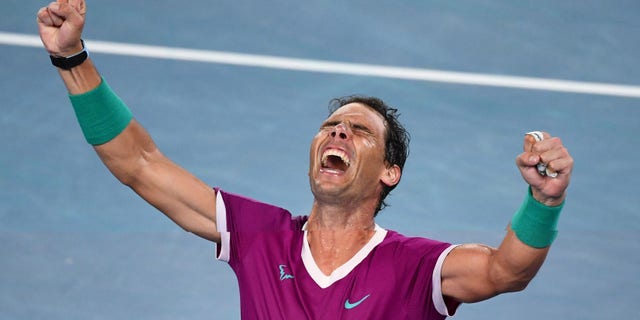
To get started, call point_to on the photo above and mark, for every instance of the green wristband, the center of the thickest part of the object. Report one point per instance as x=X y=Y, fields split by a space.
x=536 y=224
x=101 y=114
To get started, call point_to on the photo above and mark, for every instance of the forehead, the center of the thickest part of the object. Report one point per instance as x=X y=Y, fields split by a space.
x=360 y=113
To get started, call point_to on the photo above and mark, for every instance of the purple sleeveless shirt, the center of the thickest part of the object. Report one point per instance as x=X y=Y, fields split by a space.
x=392 y=277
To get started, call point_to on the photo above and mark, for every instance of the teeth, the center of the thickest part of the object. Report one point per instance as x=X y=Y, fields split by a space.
x=335 y=152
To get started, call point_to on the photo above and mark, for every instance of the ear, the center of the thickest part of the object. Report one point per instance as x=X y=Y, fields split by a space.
x=391 y=175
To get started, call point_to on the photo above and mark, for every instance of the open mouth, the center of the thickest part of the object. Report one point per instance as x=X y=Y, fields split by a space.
x=335 y=160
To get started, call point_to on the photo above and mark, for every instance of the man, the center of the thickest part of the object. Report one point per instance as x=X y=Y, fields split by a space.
x=337 y=263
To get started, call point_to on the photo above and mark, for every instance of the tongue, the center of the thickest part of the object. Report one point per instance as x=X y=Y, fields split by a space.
x=335 y=163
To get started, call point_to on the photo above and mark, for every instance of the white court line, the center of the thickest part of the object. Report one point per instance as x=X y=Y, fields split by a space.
x=309 y=65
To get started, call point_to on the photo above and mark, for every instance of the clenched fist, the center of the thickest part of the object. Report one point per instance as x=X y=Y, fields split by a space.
x=60 y=26
x=549 y=151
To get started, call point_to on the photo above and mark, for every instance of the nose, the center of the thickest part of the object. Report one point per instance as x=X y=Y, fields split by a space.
x=341 y=131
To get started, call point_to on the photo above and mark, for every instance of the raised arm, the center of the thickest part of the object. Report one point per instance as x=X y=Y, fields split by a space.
x=474 y=272
x=120 y=141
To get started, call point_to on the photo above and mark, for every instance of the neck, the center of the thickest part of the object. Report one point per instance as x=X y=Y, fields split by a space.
x=340 y=218
x=335 y=234
x=343 y=214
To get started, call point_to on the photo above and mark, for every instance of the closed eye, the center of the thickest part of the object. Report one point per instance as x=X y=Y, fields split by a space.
x=329 y=124
x=353 y=126
x=359 y=127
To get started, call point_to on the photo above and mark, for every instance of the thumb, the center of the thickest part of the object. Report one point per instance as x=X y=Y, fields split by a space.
x=527 y=164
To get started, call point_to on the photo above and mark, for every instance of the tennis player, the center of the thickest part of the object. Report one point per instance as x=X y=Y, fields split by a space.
x=336 y=262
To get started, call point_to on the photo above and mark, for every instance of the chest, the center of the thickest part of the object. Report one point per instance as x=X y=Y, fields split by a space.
x=278 y=276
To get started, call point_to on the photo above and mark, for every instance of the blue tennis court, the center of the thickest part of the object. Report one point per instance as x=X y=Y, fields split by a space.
x=76 y=244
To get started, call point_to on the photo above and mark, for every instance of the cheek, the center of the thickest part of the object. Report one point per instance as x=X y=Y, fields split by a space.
x=313 y=150
x=369 y=144
x=374 y=149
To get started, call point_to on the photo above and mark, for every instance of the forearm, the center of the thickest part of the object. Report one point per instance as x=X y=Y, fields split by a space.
x=514 y=264
x=525 y=247
x=128 y=152
x=474 y=273
x=106 y=121
x=81 y=78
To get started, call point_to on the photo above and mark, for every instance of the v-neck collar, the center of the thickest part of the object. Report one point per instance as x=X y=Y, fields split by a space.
x=324 y=281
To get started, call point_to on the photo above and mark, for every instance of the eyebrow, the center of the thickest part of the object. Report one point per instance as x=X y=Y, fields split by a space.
x=328 y=123
x=356 y=126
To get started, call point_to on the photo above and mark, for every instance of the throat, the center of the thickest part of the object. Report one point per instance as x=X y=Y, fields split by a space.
x=332 y=249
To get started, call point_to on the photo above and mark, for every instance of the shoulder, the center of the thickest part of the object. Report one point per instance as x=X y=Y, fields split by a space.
x=420 y=246
x=410 y=254
x=247 y=214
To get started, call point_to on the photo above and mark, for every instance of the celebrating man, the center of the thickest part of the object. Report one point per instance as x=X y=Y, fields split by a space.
x=335 y=263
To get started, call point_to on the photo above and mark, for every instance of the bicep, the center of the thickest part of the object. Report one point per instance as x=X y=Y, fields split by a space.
x=475 y=272
x=466 y=273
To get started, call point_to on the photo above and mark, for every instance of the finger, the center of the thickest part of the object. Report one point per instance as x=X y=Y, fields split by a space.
x=562 y=165
x=44 y=17
x=553 y=153
x=74 y=13
x=59 y=8
x=56 y=20
x=527 y=159
x=536 y=142
x=557 y=159
x=526 y=163
x=73 y=6
x=62 y=9
x=73 y=21
x=532 y=138
x=79 y=5
x=529 y=141
x=549 y=149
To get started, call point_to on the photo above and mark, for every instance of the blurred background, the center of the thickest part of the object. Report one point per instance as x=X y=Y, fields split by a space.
x=76 y=244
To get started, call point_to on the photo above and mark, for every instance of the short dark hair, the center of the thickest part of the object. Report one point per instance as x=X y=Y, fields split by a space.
x=396 y=144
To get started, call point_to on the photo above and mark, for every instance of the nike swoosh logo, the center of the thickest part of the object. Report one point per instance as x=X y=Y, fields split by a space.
x=348 y=305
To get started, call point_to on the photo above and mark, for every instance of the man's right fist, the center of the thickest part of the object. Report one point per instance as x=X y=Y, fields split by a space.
x=60 y=26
